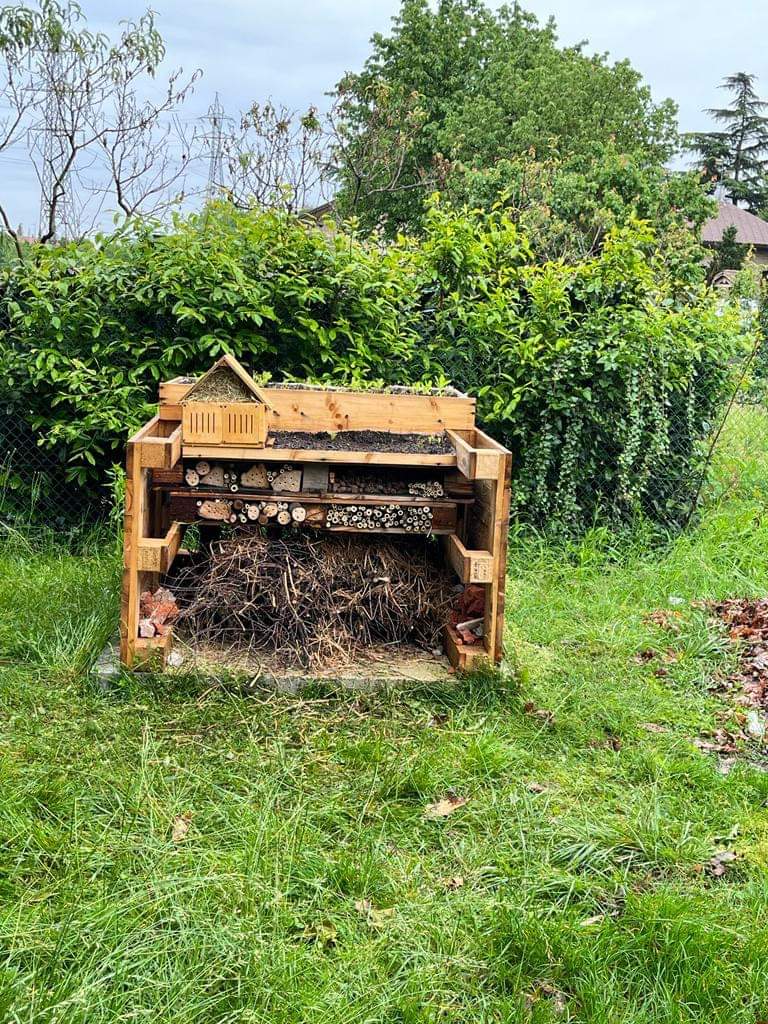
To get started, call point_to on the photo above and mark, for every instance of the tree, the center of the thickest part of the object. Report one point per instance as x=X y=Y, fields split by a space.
x=489 y=85
x=729 y=254
x=73 y=94
x=275 y=158
x=567 y=207
x=736 y=156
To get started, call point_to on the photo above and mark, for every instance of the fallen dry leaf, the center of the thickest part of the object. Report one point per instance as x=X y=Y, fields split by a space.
x=543 y=713
x=721 y=741
x=181 y=824
x=747 y=623
x=323 y=933
x=375 y=916
x=643 y=657
x=664 y=619
x=718 y=865
x=446 y=806
x=545 y=990
x=606 y=743
x=453 y=883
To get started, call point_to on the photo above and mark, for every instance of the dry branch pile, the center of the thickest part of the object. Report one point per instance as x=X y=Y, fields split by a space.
x=315 y=601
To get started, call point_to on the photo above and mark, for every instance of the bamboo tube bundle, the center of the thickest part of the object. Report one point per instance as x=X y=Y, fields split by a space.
x=411 y=518
x=315 y=600
x=426 y=489
x=352 y=481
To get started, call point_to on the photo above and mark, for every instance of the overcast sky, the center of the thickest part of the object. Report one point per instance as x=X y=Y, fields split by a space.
x=294 y=50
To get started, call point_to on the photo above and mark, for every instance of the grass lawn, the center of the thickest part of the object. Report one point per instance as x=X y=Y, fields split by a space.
x=310 y=886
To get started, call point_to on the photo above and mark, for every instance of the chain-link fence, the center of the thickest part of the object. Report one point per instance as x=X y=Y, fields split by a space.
x=34 y=489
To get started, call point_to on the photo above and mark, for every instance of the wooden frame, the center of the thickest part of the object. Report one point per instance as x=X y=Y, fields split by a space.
x=158 y=504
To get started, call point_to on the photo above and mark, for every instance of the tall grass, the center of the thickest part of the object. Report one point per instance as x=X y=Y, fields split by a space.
x=569 y=888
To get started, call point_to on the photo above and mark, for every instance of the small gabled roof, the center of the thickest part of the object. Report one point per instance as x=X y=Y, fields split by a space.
x=228 y=362
x=750 y=230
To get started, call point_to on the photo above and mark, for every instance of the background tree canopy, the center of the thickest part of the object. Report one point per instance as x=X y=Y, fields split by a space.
x=484 y=88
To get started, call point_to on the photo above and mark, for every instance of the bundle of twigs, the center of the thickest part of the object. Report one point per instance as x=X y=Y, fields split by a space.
x=315 y=601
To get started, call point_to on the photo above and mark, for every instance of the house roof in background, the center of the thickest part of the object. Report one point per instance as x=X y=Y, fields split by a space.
x=750 y=230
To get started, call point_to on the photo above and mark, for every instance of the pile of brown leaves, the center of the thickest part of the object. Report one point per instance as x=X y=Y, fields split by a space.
x=747 y=623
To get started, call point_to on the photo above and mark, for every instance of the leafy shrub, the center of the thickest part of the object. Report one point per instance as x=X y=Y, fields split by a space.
x=602 y=374
x=89 y=329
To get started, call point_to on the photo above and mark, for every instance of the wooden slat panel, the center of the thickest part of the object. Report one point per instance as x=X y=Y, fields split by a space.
x=243 y=423
x=202 y=423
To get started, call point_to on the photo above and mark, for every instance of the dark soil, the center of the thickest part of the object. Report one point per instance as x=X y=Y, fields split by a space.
x=364 y=441
x=392 y=389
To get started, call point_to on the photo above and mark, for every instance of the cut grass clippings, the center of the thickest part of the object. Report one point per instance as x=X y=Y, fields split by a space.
x=188 y=850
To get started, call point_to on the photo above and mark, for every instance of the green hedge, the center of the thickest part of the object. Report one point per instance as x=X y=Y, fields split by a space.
x=602 y=375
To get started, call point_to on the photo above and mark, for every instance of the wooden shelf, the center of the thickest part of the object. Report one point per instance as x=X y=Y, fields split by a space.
x=334 y=498
x=156 y=554
x=233 y=452
x=183 y=509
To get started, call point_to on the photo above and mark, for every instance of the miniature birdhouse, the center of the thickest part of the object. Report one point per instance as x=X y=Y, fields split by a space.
x=225 y=407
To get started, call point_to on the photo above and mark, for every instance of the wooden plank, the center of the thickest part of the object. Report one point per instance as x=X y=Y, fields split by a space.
x=488 y=526
x=136 y=526
x=202 y=451
x=156 y=436
x=129 y=606
x=463 y=657
x=471 y=566
x=151 y=653
x=156 y=554
x=501 y=528
x=327 y=410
